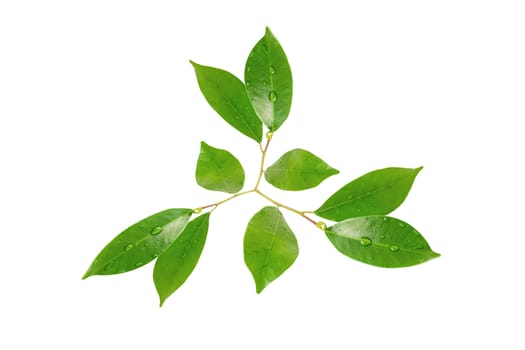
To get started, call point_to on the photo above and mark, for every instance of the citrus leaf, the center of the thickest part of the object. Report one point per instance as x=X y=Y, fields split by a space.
x=268 y=80
x=380 y=241
x=140 y=243
x=298 y=170
x=270 y=247
x=227 y=95
x=219 y=170
x=177 y=262
x=377 y=193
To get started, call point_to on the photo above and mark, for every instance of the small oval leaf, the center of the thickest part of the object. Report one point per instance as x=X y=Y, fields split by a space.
x=376 y=193
x=270 y=247
x=140 y=243
x=298 y=170
x=219 y=170
x=227 y=95
x=177 y=262
x=380 y=241
x=268 y=79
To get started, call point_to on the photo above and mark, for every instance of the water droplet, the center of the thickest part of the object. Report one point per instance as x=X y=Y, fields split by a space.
x=248 y=83
x=394 y=248
x=128 y=247
x=418 y=246
x=321 y=225
x=272 y=96
x=365 y=241
x=155 y=255
x=156 y=230
x=382 y=236
x=249 y=68
x=265 y=83
x=138 y=264
x=272 y=70
x=401 y=224
x=385 y=219
x=147 y=244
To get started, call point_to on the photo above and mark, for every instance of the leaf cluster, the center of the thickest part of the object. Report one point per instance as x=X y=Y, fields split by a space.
x=362 y=231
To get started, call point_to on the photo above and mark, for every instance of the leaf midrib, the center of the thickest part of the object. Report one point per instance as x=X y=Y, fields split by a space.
x=384 y=245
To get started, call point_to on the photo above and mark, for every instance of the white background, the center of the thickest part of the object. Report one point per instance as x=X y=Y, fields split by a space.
x=100 y=123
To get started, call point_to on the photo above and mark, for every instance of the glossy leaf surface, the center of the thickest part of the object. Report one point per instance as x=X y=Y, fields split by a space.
x=298 y=170
x=140 y=243
x=219 y=170
x=270 y=247
x=177 y=262
x=376 y=193
x=268 y=80
x=227 y=95
x=380 y=241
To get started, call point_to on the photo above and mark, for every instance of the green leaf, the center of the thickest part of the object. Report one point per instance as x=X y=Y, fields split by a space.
x=219 y=170
x=376 y=193
x=140 y=243
x=380 y=241
x=268 y=80
x=298 y=170
x=227 y=96
x=177 y=262
x=270 y=247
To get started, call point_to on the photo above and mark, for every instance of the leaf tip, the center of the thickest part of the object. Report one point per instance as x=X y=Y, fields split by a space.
x=418 y=169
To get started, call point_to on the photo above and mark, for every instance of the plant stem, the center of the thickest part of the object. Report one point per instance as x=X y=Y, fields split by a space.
x=215 y=205
x=261 y=169
x=280 y=205
x=256 y=190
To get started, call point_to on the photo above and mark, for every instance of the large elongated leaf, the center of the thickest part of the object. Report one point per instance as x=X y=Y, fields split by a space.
x=177 y=262
x=140 y=243
x=219 y=170
x=270 y=247
x=227 y=96
x=268 y=80
x=380 y=241
x=298 y=170
x=376 y=193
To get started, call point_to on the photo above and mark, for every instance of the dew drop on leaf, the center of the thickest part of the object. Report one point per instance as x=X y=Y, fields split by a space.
x=394 y=248
x=156 y=230
x=249 y=68
x=128 y=247
x=365 y=241
x=147 y=244
x=401 y=224
x=382 y=236
x=248 y=83
x=272 y=70
x=272 y=96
